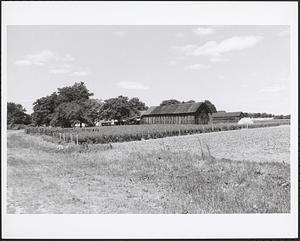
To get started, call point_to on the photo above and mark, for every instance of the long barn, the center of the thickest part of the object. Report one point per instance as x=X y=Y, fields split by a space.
x=186 y=113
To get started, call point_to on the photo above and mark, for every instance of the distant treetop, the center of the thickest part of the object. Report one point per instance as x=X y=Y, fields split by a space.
x=169 y=102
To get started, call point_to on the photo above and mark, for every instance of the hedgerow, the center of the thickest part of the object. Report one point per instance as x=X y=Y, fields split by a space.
x=108 y=134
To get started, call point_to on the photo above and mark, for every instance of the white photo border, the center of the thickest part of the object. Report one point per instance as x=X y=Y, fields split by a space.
x=153 y=225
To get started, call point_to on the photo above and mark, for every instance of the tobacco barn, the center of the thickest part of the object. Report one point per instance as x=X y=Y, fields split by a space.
x=227 y=117
x=186 y=113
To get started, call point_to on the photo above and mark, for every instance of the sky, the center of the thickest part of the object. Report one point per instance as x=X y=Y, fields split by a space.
x=238 y=68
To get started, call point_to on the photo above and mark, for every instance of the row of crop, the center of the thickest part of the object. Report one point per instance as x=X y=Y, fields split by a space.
x=132 y=133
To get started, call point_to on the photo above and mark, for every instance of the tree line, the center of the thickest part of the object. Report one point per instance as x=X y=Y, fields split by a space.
x=72 y=105
x=266 y=115
x=16 y=115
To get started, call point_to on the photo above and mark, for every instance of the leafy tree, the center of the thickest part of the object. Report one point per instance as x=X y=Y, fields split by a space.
x=78 y=93
x=16 y=114
x=258 y=115
x=211 y=106
x=67 y=114
x=282 y=116
x=43 y=109
x=191 y=101
x=137 y=105
x=49 y=110
x=91 y=111
x=27 y=120
x=169 y=102
x=121 y=108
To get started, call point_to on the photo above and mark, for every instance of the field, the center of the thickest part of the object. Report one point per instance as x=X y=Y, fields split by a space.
x=241 y=171
x=111 y=134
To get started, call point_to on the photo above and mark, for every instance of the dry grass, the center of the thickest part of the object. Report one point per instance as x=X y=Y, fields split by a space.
x=270 y=144
x=45 y=179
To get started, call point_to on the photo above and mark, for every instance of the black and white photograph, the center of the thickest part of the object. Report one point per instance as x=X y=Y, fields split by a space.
x=148 y=119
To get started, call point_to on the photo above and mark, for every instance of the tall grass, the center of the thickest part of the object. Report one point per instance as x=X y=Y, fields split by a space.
x=42 y=179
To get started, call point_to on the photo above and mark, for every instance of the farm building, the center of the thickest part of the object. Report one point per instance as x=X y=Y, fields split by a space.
x=225 y=117
x=186 y=113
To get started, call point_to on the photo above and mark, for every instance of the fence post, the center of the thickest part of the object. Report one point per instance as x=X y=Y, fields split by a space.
x=77 y=139
x=71 y=137
x=59 y=136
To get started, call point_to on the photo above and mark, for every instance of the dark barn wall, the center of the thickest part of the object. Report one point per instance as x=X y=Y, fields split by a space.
x=199 y=118
x=202 y=117
x=168 y=119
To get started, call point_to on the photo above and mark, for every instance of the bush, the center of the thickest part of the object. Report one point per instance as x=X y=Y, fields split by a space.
x=16 y=127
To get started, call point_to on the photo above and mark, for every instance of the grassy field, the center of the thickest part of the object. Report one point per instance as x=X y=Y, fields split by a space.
x=185 y=174
x=270 y=144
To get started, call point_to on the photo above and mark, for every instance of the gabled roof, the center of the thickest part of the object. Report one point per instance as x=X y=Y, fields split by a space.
x=174 y=109
x=147 y=112
x=227 y=114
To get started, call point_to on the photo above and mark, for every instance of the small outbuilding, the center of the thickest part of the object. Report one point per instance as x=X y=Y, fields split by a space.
x=227 y=117
x=246 y=121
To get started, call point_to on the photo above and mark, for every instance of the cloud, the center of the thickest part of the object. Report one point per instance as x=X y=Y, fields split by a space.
x=212 y=48
x=272 y=88
x=62 y=69
x=81 y=73
x=179 y=35
x=172 y=62
x=23 y=62
x=283 y=33
x=67 y=58
x=67 y=66
x=67 y=69
x=196 y=67
x=203 y=31
x=120 y=33
x=43 y=57
x=218 y=59
x=131 y=85
x=59 y=71
x=40 y=58
x=187 y=49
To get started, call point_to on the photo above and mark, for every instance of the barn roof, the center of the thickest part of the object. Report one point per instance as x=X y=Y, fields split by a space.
x=148 y=111
x=227 y=114
x=174 y=109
